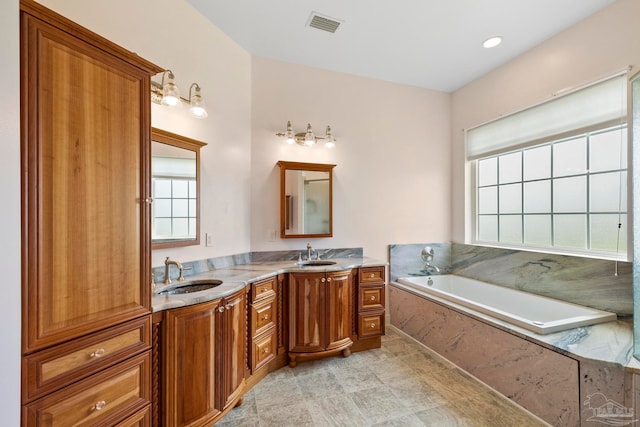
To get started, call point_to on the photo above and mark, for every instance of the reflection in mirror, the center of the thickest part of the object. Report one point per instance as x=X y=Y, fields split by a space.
x=635 y=140
x=175 y=188
x=305 y=199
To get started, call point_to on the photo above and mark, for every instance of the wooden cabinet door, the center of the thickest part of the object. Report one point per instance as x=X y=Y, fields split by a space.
x=339 y=308
x=85 y=177
x=191 y=371
x=231 y=341
x=307 y=312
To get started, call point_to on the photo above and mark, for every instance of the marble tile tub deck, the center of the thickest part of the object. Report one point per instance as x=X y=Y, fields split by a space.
x=401 y=384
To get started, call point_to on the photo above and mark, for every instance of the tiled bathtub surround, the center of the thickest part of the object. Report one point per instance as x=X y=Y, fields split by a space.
x=585 y=281
x=192 y=268
x=405 y=260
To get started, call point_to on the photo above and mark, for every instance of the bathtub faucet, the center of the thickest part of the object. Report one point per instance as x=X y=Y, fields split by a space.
x=427 y=256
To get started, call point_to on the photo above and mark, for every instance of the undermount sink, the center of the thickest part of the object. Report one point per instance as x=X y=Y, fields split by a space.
x=314 y=262
x=194 y=286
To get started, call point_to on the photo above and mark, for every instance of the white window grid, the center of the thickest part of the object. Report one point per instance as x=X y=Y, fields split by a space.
x=622 y=212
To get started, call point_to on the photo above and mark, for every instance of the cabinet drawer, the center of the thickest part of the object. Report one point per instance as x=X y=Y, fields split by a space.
x=51 y=369
x=371 y=275
x=262 y=316
x=141 y=418
x=263 y=289
x=263 y=349
x=102 y=399
x=371 y=325
x=371 y=297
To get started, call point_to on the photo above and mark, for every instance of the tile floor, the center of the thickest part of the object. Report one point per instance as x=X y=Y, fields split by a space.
x=401 y=384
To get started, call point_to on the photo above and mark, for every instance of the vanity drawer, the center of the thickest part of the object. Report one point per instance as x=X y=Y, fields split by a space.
x=263 y=349
x=263 y=289
x=371 y=275
x=105 y=398
x=262 y=315
x=371 y=297
x=51 y=369
x=370 y=324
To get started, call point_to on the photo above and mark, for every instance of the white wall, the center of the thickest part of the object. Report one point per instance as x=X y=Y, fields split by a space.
x=10 y=216
x=175 y=36
x=600 y=45
x=391 y=182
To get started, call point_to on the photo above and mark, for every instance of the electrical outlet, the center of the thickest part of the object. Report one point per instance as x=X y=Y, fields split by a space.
x=272 y=235
x=209 y=239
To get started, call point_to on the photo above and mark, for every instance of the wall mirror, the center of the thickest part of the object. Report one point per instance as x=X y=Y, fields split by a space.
x=306 y=199
x=175 y=188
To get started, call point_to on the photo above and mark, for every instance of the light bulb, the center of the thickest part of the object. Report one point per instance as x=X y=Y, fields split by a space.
x=170 y=92
x=197 y=103
x=329 y=140
x=290 y=137
x=309 y=137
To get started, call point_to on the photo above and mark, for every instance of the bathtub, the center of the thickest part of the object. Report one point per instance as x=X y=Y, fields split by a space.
x=536 y=313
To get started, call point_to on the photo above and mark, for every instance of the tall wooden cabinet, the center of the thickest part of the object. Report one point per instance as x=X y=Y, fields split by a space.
x=86 y=295
x=320 y=310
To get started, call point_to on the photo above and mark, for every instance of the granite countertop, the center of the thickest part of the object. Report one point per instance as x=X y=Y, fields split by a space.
x=237 y=277
x=610 y=342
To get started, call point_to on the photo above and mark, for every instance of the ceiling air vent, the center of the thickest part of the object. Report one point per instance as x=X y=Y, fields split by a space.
x=324 y=23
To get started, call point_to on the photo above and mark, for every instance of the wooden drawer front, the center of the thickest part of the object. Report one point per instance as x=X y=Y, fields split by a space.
x=262 y=316
x=371 y=297
x=139 y=419
x=371 y=325
x=263 y=289
x=371 y=275
x=263 y=349
x=102 y=399
x=54 y=368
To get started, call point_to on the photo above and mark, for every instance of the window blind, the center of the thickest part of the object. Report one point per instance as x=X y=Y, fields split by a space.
x=600 y=103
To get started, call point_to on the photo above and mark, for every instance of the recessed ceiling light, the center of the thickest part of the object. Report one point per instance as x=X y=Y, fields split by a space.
x=492 y=42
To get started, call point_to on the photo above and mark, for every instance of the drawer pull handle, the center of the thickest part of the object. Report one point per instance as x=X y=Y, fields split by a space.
x=322 y=280
x=372 y=298
x=265 y=317
x=221 y=308
x=98 y=353
x=373 y=325
x=263 y=289
x=265 y=350
x=100 y=405
x=372 y=275
x=328 y=279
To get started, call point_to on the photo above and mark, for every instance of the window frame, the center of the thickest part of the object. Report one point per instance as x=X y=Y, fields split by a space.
x=472 y=235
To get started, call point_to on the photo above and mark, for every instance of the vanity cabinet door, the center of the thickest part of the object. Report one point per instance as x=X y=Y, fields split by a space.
x=339 y=306
x=231 y=344
x=307 y=312
x=190 y=370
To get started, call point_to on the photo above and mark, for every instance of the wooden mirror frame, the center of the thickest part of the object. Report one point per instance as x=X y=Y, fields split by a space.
x=316 y=167
x=165 y=137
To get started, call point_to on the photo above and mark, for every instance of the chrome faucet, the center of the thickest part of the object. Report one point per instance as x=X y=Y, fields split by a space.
x=309 y=250
x=167 y=263
x=427 y=256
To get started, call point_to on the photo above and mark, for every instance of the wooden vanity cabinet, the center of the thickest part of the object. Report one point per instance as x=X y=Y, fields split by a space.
x=320 y=308
x=86 y=295
x=263 y=313
x=203 y=356
x=371 y=302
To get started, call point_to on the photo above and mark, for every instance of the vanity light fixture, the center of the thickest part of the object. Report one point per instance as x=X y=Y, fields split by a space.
x=197 y=103
x=168 y=94
x=307 y=138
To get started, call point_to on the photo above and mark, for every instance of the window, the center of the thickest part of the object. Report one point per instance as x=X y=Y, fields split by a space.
x=565 y=190
x=174 y=192
x=568 y=194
